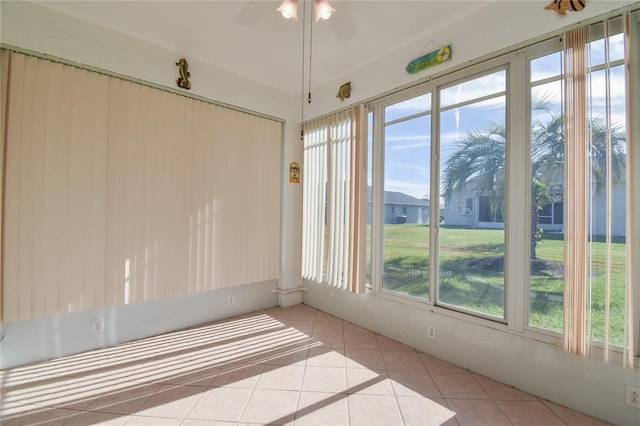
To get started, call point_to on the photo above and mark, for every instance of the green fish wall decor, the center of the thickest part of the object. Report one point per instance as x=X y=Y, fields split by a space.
x=430 y=59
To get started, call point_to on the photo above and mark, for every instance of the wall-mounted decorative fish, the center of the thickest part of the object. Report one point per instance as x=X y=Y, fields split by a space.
x=430 y=59
x=561 y=6
x=183 y=81
x=344 y=91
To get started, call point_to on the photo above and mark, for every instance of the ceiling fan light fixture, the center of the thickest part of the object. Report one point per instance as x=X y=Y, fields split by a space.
x=289 y=9
x=323 y=9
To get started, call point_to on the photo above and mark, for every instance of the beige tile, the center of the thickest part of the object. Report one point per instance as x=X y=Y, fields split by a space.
x=249 y=355
x=306 y=310
x=361 y=341
x=328 y=327
x=372 y=410
x=294 y=365
x=267 y=406
x=38 y=392
x=214 y=357
x=364 y=358
x=171 y=401
x=477 y=412
x=195 y=375
x=400 y=360
x=302 y=325
x=437 y=365
x=532 y=413
x=350 y=328
x=287 y=377
x=328 y=340
x=76 y=393
x=325 y=317
x=324 y=357
x=575 y=418
x=124 y=401
x=239 y=377
x=366 y=381
x=318 y=408
x=156 y=371
x=458 y=385
x=152 y=421
x=497 y=390
x=293 y=339
x=92 y=418
x=276 y=312
x=387 y=344
x=325 y=379
x=220 y=404
x=189 y=422
x=11 y=411
x=45 y=416
x=296 y=317
x=413 y=383
x=288 y=356
x=425 y=411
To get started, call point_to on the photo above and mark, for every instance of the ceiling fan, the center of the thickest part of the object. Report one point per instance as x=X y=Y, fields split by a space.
x=340 y=23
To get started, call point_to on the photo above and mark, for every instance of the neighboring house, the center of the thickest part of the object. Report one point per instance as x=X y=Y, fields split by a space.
x=473 y=210
x=400 y=208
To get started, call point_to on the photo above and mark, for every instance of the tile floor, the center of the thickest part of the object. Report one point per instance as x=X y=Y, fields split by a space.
x=278 y=366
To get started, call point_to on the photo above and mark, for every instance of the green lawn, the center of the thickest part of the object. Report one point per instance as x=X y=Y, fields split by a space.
x=472 y=274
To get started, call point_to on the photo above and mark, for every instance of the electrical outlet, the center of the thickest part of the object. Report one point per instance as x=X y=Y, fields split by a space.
x=632 y=396
x=431 y=332
x=332 y=298
x=231 y=300
x=97 y=325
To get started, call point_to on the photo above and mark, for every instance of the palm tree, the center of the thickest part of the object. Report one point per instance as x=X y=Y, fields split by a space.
x=479 y=161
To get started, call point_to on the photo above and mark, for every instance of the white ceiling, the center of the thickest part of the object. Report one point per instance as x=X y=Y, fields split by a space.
x=250 y=38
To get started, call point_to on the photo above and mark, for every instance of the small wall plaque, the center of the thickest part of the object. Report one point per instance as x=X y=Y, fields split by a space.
x=345 y=91
x=294 y=172
x=183 y=81
x=561 y=6
x=430 y=59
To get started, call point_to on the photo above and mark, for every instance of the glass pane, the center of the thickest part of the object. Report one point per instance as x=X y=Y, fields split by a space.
x=408 y=108
x=597 y=50
x=616 y=47
x=472 y=89
x=546 y=287
x=546 y=100
x=473 y=150
x=546 y=66
x=407 y=153
x=598 y=106
x=608 y=159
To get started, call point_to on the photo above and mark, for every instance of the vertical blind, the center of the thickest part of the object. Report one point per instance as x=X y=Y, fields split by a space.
x=334 y=203
x=576 y=197
x=118 y=193
x=582 y=176
x=632 y=301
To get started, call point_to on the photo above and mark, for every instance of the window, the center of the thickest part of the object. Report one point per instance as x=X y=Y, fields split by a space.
x=470 y=196
x=546 y=270
x=334 y=200
x=466 y=206
x=473 y=151
x=488 y=213
x=407 y=165
x=606 y=197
